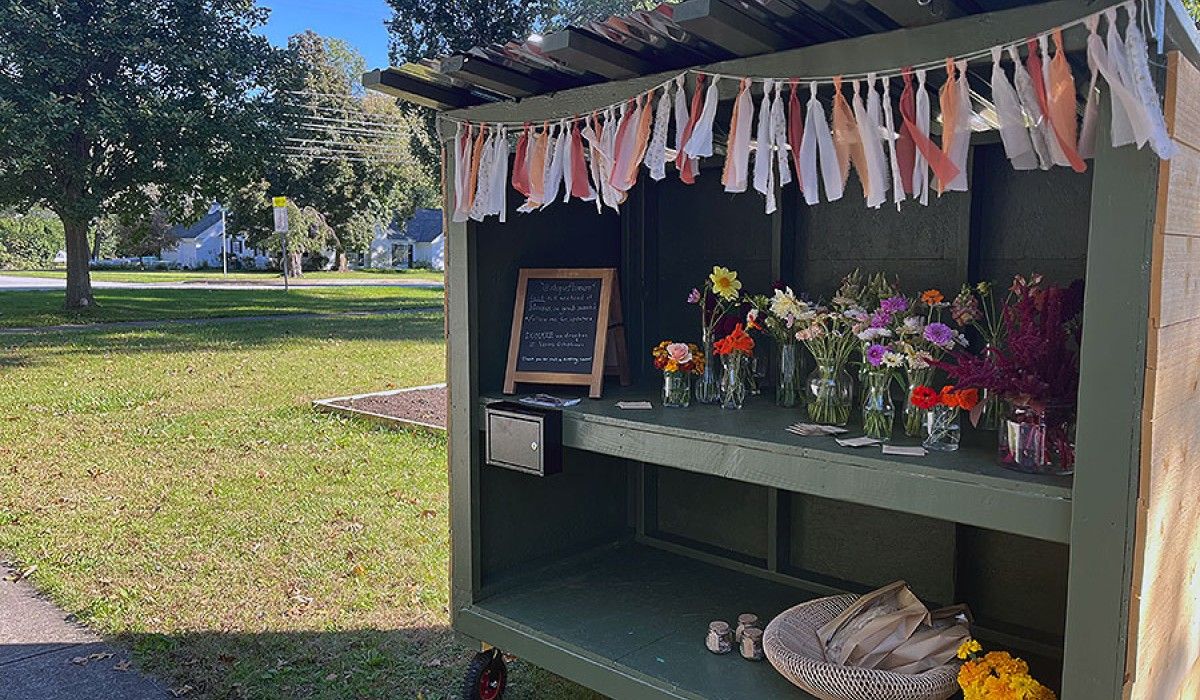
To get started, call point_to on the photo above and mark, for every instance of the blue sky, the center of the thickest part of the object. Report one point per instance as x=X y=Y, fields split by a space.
x=358 y=22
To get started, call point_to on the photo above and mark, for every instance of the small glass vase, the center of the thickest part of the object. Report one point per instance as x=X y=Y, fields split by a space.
x=830 y=394
x=1038 y=440
x=677 y=389
x=914 y=416
x=992 y=412
x=878 y=410
x=942 y=431
x=734 y=386
x=708 y=385
x=756 y=378
x=790 y=386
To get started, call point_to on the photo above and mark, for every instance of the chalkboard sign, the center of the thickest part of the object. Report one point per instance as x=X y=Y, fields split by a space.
x=566 y=323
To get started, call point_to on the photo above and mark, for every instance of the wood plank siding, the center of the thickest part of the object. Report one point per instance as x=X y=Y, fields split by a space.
x=1165 y=618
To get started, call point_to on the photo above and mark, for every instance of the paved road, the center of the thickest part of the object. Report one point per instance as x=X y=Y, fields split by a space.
x=46 y=655
x=14 y=283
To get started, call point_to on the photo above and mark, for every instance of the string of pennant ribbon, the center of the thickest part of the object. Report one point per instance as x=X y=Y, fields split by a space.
x=598 y=157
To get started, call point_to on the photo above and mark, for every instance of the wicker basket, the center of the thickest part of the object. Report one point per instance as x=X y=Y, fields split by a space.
x=790 y=642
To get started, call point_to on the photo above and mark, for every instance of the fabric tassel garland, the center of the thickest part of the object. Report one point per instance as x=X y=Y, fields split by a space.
x=689 y=166
x=817 y=140
x=889 y=123
x=764 y=172
x=480 y=199
x=906 y=145
x=1060 y=96
x=1027 y=93
x=737 y=147
x=921 y=167
x=928 y=155
x=1143 y=83
x=1038 y=64
x=949 y=103
x=473 y=175
x=462 y=166
x=795 y=133
x=624 y=143
x=520 y=173
x=1013 y=132
x=875 y=161
x=1128 y=124
x=961 y=129
x=591 y=135
x=779 y=139
x=580 y=188
x=640 y=142
x=846 y=140
x=656 y=151
x=1091 y=104
x=554 y=171
x=699 y=142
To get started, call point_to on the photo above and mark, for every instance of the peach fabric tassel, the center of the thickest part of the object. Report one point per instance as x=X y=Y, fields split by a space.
x=689 y=167
x=537 y=170
x=737 y=147
x=847 y=141
x=641 y=140
x=520 y=173
x=948 y=101
x=476 y=155
x=943 y=169
x=1061 y=99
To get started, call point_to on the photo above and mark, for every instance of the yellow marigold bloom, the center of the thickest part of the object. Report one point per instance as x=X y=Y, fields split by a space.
x=931 y=297
x=672 y=366
x=969 y=647
x=725 y=283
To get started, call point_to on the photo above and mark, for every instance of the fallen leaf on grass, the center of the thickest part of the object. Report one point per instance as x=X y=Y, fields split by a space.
x=428 y=513
x=358 y=570
x=181 y=691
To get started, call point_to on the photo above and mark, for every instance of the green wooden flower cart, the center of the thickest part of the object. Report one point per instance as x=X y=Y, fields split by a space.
x=608 y=572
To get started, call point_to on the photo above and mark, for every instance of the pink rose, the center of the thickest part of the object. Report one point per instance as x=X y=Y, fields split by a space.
x=679 y=352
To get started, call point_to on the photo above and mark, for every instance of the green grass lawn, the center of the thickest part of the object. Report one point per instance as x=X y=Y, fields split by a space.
x=264 y=277
x=42 y=308
x=175 y=491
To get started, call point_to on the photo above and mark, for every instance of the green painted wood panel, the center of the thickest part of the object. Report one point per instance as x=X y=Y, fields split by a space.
x=871 y=547
x=1013 y=581
x=712 y=511
x=1028 y=221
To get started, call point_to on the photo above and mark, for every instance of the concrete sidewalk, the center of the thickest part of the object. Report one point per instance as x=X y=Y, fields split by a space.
x=44 y=655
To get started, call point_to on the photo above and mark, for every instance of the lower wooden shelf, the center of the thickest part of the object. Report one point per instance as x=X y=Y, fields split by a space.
x=629 y=621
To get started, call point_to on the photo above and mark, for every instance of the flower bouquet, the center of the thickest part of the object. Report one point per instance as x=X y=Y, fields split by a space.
x=942 y=431
x=735 y=350
x=922 y=338
x=978 y=306
x=995 y=675
x=778 y=316
x=1036 y=371
x=720 y=295
x=829 y=336
x=878 y=410
x=678 y=361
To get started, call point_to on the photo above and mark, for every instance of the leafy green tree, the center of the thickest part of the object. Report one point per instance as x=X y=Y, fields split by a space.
x=101 y=99
x=29 y=240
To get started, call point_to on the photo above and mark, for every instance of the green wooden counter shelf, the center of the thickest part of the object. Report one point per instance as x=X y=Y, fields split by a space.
x=662 y=520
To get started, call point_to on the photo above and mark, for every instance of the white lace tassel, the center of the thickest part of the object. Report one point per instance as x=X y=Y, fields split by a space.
x=656 y=151
x=554 y=168
x=700 y=144
x=500 y=177
x=779 y=143
x=1128 y=124
x=1013 y=132
x=1033 y=111
x=1139 y=66
x=1091 y=103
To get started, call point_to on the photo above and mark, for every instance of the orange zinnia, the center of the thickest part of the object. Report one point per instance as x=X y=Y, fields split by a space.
x=932 y=297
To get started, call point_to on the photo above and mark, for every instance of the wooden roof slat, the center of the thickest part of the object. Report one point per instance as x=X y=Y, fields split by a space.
x=492 y=76
x=908 y=13
x=593 y=54
x=724 y=25
x=418 y=91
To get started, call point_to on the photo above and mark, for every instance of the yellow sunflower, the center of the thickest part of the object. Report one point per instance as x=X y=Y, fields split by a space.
x=725 y=283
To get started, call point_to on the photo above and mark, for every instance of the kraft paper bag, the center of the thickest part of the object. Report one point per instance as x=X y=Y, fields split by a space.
x=891 y=629
x=872 y=626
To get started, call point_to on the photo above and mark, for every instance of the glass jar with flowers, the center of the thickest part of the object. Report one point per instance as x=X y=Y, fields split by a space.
x=878 y=409
x=829 y=336
x=736 y=350
x=720 y=294
x=678 y=362
x=942 y=431
x=1035 y=371
x=779 y=316
x=922 y=338
x=978 y=306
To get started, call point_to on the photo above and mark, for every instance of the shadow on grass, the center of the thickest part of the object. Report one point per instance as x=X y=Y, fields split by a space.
x=414 y=662
x=26 y=350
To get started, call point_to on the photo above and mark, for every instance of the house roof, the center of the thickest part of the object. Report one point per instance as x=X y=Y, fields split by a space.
x=210 y=219
x=424 y=227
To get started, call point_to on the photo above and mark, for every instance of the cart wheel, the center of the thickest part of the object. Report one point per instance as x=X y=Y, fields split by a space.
x=486 y=676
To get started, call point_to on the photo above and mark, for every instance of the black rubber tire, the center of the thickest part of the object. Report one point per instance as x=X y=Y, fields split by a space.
x=486 y=664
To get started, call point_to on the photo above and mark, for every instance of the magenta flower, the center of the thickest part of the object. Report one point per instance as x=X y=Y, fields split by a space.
x=939 y=334
x=881 y=318
x=876 y=353
x=894 y=305
x=694 y=297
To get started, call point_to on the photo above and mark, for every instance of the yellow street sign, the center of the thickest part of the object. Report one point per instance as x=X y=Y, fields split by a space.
x=279 y=201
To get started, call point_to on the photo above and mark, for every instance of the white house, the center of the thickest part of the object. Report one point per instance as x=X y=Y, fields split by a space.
x=199 y=245
x=419 y=243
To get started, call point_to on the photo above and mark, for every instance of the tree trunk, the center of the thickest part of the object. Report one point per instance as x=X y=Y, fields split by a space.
x=295 y=269
x=79 y=280
x=343 y=264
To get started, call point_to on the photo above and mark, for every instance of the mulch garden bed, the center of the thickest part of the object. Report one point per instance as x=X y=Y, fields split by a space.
x=424 y=406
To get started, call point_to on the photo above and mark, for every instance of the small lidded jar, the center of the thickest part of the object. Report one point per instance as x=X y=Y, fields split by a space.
x=720 y=637
x=751 y=645
x=745 y=621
